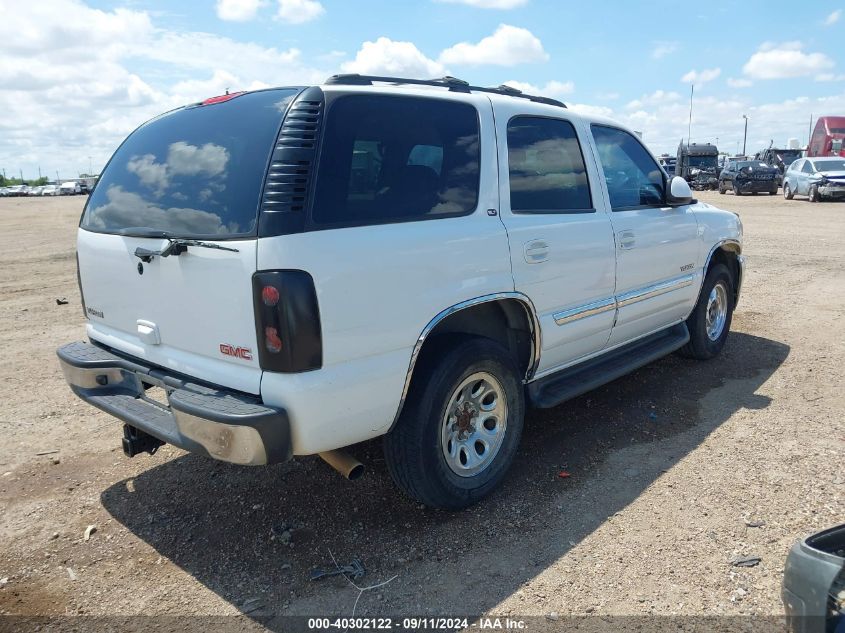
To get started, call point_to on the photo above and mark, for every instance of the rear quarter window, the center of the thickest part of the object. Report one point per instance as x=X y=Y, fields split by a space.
x=194 y=172
x=394 y=159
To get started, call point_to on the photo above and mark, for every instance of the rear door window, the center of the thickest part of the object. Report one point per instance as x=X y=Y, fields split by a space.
x=546 y=167
x=393 y=159
x=194 y=172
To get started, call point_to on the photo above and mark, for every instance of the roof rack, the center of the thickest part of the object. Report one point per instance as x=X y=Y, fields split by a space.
x=452 y=83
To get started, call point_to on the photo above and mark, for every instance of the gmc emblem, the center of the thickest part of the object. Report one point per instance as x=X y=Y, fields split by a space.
x=238 y=352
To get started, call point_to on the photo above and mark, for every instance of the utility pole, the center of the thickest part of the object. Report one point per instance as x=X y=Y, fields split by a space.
x=744 y=134
x=90 y=169
x=21 y=172
x=57 y=177
x=689 y=126
x=39 y=172
x=810 y=131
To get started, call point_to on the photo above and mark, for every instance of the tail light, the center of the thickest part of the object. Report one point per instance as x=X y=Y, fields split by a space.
x=287 y=321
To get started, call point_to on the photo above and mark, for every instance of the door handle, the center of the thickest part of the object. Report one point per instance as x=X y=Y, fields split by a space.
x=535 y=251
x=626 y=240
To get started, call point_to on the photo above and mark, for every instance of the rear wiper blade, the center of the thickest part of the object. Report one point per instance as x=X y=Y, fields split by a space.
x=176 y=247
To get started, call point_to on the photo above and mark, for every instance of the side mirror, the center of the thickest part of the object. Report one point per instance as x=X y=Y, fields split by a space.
x=679 y=192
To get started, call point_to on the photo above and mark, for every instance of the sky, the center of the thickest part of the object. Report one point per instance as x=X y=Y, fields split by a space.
x=77 y=76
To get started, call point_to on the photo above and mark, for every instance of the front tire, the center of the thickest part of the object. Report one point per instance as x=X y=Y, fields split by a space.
x=710 y=320
x=722 y=188
x=813 y=194
x=788 y=194
x=736 y=190
x=460 y=428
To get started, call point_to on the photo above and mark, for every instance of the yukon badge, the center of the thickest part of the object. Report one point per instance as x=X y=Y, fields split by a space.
x=243 y=353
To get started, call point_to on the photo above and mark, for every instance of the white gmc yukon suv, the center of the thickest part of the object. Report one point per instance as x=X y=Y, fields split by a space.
x=301 y=269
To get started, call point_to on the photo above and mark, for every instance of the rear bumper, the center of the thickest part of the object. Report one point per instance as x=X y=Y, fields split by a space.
x=213 y=421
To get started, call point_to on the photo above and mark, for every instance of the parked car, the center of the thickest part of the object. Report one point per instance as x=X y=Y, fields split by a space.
x=35 y=191
x=50 y=190
x=749 y=176
x=417 y=262
x=18 y=190
x=817 y=178
x=4 y=191
x=70 y=188
x=813 y=589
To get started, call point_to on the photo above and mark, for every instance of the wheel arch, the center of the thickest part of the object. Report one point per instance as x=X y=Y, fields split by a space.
x=501 y=317
x=727 y=252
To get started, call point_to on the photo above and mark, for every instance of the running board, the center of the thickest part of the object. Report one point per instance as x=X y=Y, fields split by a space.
x=573 y=381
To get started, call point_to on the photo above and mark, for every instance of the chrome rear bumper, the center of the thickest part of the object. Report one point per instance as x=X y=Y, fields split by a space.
x=217 y=422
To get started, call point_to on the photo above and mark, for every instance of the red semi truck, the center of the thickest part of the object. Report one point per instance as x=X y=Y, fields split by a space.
x=828 y=137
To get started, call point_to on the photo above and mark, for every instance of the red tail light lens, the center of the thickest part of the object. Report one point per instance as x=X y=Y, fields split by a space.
x=272 y=341
x=287 y=321
x=270 y=296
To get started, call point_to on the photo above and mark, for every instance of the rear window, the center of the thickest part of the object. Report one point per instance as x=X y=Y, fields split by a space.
x=195 y=172
x=393 y=159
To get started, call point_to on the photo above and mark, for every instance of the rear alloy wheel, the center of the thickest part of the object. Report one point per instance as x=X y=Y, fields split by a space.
x=813 y=194
x=460 y=428
x=787 y=192
x=710 y=320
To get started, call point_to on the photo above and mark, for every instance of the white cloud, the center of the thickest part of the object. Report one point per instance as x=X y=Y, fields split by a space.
x=662 y=49
x=508 y=46
x=739 y=83
x=833 y=18
x=388 y=57
x=656 y=98
x=784 y=61
x=489 y=4
x=829 y=77
x=701 y=78
x=551 y=89
x=238 y=10
x=71 y=85
x=299 y=11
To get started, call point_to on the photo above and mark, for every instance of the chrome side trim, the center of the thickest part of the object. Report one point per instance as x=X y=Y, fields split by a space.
x=654 y=290
x=584 y=311
x=530 y=310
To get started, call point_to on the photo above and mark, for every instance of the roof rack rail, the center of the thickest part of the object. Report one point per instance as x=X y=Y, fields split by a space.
x=452 y=83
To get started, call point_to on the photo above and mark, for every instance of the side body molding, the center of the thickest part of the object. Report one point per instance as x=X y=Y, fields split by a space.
x=531 y=312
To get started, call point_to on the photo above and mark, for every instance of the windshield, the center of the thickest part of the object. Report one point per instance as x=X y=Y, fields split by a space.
x=194 y=172
x=788 y=156
x=829 y=165
x=702 y=161
x=752 y=163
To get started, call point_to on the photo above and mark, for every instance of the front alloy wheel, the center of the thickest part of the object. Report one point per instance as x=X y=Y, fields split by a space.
x=787 y=192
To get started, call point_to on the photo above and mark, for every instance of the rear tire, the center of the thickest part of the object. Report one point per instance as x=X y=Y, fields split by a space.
x=710 y=320
x=460 y=428
x=787 y=192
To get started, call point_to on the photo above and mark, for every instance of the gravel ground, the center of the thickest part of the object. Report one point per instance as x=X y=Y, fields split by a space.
x=669 y=467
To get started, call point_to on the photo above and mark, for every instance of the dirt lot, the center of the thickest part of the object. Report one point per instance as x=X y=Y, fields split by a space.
x=668 y=467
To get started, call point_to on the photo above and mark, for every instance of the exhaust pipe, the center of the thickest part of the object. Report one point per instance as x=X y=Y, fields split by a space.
x=343 y=463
